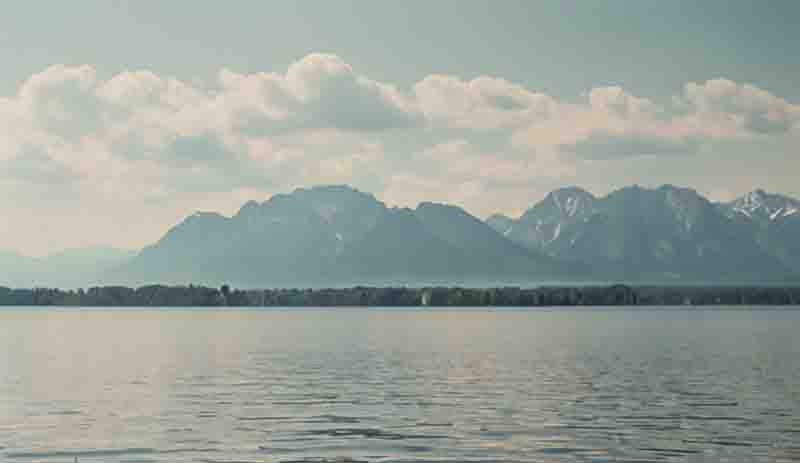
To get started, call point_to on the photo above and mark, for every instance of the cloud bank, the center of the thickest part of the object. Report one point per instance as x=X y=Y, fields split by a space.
x=144 y=140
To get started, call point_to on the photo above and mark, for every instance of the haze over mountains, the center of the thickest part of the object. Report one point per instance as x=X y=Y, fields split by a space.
x=66 y=269
x=339 y=236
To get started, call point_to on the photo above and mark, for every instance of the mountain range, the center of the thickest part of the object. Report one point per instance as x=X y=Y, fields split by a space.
x=664 y=234
x=339 y=236
x=334 y=236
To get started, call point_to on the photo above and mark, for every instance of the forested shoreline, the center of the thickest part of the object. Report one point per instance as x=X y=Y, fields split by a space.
x=203 y=296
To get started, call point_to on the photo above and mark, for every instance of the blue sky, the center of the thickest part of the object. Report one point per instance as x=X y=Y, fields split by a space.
x=116 y=111
x=561 y=47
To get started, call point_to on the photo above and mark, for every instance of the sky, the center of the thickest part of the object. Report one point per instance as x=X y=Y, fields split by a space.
x=118 y=119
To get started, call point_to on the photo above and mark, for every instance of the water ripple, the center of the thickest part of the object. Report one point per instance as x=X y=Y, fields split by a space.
x=370 y=386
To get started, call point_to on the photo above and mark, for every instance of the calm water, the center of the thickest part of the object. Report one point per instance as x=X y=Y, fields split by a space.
x=389 y=385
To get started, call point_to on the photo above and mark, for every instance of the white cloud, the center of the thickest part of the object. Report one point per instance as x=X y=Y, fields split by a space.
x=146 y=140
x=319 y=91
x=62 y=100
x=484 y=103
x=614 y=123
x=738 y=107
x=33 y=165
x=617 y=102
x=610 y=144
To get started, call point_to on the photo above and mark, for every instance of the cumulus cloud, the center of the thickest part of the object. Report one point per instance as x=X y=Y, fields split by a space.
x=254 y=121
x=142 y=136
x=739 y=107
x=605 y=144
x=62 y=100
x=333 y=95
x=484 y=103
x=319 y=91
x=613 y=123
x=189 y=150
x=619 y=103
x=33 y=165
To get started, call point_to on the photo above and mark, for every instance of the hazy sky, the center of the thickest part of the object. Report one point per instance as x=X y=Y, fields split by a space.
x=117 y=119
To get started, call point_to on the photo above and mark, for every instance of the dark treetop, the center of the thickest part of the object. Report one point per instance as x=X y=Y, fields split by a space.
x=187 y=296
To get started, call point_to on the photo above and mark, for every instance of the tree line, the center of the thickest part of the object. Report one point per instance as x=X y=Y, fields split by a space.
x=203 y=296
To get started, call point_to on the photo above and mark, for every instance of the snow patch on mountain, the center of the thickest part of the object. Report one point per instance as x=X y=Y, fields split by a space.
x=556 y=233
x=759 y=204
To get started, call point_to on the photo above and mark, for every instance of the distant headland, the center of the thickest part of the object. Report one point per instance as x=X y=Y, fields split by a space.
x=362 y=296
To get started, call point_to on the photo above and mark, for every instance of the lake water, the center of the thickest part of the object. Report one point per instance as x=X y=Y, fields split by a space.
x=600 y=385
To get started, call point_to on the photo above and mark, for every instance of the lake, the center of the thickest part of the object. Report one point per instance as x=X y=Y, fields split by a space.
x=301 y=385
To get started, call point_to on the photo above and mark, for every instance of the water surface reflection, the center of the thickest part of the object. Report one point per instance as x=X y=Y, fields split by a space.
x=372 y=385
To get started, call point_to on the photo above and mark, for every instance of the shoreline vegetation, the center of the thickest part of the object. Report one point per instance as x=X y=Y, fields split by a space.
x=362 y=296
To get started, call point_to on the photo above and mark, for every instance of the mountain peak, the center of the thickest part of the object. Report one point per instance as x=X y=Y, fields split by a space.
x=755 y=197
x=569 y=201
x=501 y=223
x=248 y=207
x=682 y=197
x=761 y=204
x=342 y=190
x=431 y=205
x=329 y=193
x=330 y=188
x=568 y=191
x=499 y=216
x=323 y=200
x=668 y=187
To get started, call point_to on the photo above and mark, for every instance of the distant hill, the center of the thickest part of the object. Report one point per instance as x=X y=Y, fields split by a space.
x=66 y=269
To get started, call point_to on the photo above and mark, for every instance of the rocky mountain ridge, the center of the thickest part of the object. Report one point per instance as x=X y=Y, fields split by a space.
x=664 y=234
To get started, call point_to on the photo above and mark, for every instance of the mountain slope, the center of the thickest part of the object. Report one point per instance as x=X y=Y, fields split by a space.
x=287 y=240
x=491 y=251
x=774 y=221
x=663 y=234
x=551 y=223
x=500 y=223
x=335 y=235
x=761 y=206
